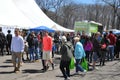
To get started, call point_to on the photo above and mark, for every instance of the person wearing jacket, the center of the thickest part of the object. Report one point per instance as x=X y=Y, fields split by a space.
x=79 y=53
x=96 y=49
x=117 y=46
x=2 y=42
x=88 y=46
x=66 y=55
x=104 y=43
x=8 y=43
x=111 y=45
x=17 y=48
x=31 y=44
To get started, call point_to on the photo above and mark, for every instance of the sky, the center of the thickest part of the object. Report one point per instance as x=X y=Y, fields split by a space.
x=85 y=1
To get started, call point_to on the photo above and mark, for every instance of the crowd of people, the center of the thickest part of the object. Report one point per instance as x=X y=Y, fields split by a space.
x=43 y=45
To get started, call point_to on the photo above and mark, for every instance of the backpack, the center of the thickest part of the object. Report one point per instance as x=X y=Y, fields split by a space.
x=103 y=46
x=88 y=46
x=69 y=51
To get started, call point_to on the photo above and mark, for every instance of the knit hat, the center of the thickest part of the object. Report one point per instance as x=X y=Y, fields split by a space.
x=64 y=39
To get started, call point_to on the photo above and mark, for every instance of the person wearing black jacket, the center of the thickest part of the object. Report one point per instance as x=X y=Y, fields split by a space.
x=2 y=41
x=104 y=44
x=96 y=49
x=31 y=45
x=66 y=55
x=117 y=46
x=8 y=44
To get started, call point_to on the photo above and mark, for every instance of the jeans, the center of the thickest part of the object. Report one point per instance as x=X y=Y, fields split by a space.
x=57 y=47
x=110 y=52
x=31 y=52
x=95 y=56
x=78 y=66
x=37 y=53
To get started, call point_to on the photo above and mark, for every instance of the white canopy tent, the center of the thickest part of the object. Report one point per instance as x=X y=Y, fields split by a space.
x=25 y=14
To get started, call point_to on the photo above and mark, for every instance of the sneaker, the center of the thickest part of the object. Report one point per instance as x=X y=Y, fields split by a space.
x=65 y=79
x=103 y=64
x=17 y=70
x=36 y=60
x=96 y=68
x=45 y=68
x=68 y=78
x=85 y=71
x=32 y=61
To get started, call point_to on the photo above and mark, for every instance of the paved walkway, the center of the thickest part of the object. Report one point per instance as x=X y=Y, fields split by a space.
x=31 y=71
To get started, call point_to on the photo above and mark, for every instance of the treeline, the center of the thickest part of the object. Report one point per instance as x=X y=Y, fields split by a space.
x=66 y=12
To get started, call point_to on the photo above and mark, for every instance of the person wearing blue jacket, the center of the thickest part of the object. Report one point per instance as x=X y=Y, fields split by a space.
x=79 y=53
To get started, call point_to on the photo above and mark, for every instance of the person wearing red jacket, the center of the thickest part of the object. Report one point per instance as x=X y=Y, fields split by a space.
x=111 y=45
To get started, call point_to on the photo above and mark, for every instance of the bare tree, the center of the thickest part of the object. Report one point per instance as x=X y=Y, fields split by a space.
x=51 y=7
x=115 y=4
x=45 y=5
x=66 y=12
x=69 y=14
x=118 y=19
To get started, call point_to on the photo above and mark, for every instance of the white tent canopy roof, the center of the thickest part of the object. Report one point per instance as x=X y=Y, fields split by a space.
x=10 y=15
x=96 y=23
x=114 y=30
x=26 y=14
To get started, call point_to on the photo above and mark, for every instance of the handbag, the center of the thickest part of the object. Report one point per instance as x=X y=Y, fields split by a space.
x=84 y=64
x=72 y=63
x=103 y=46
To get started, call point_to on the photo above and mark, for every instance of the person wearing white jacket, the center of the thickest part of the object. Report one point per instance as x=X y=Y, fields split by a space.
x=17 y=48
